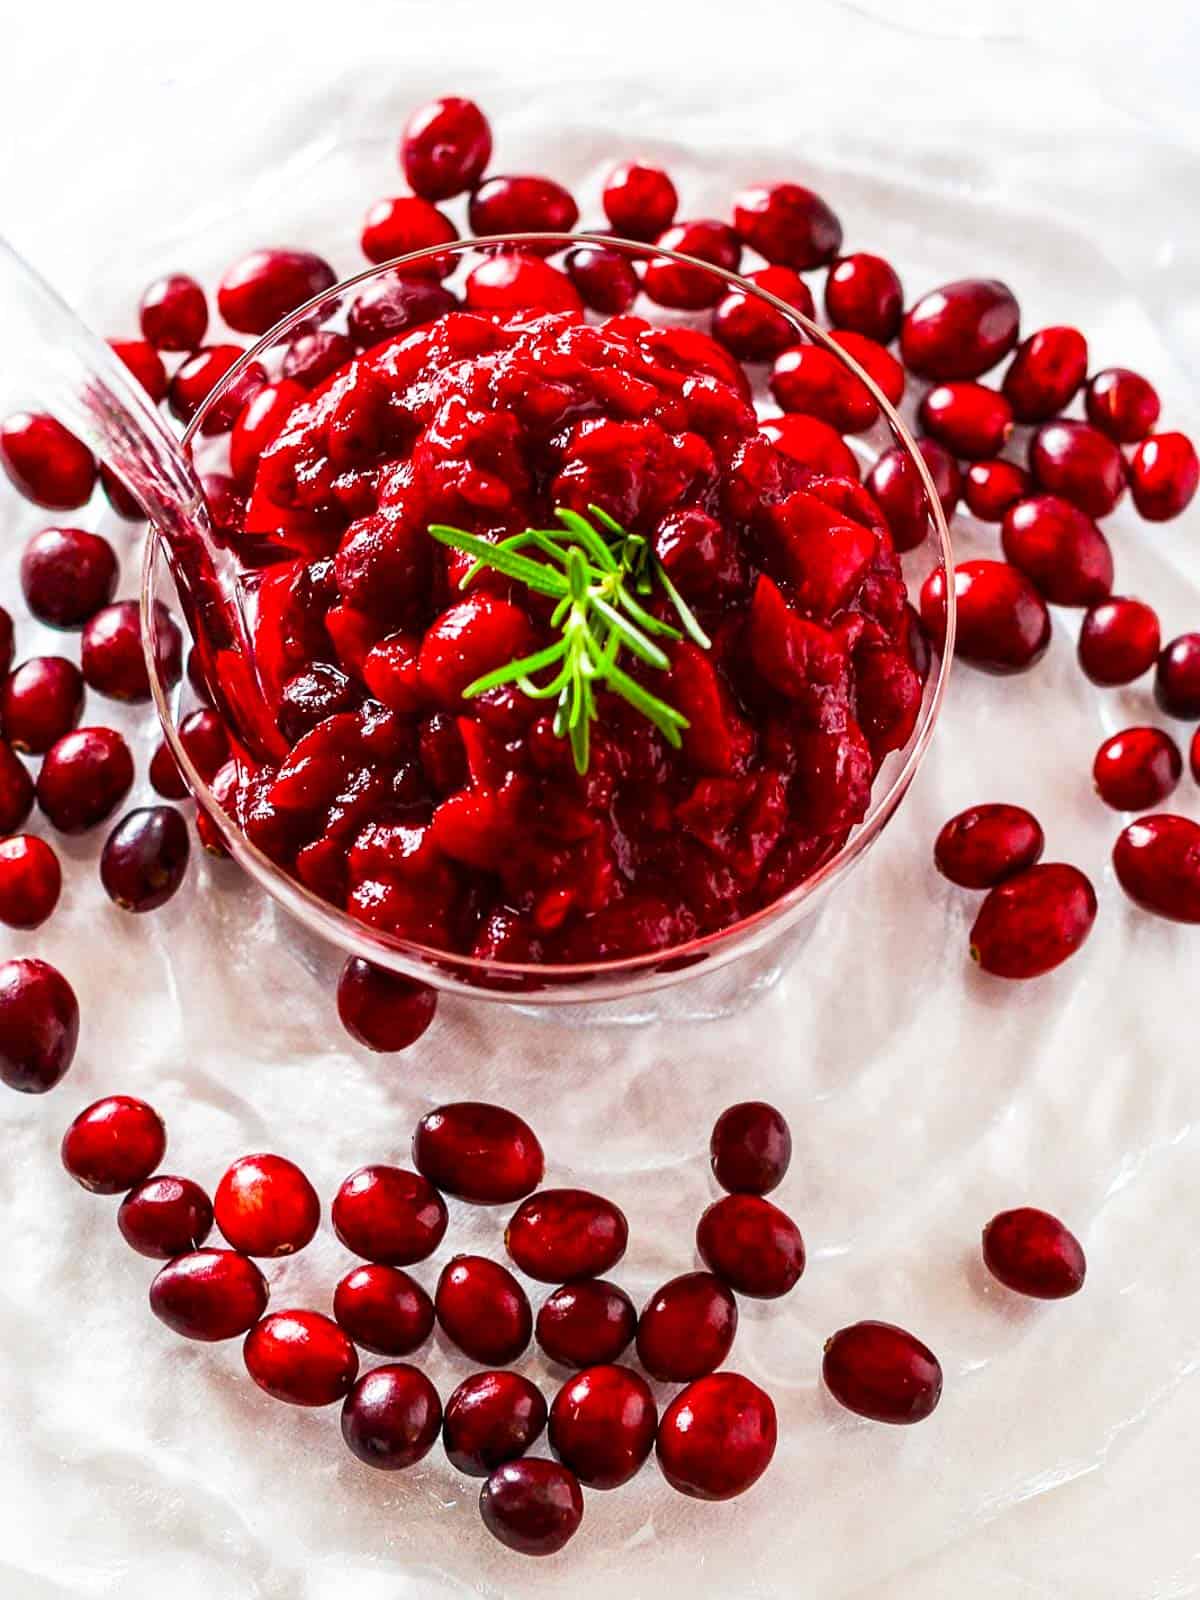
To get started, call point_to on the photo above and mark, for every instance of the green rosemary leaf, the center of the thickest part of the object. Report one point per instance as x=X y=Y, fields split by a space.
x=686 y=615
x=632 y=635
x=534 y=574
x=605 y=521
x=588 y=537
x=517 y=669
x=664 y=717
x=649 y=622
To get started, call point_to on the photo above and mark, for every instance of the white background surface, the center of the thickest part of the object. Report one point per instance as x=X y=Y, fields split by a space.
x=1051 y=146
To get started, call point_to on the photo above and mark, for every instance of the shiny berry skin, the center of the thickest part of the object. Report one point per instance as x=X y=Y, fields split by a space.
x=1034 y=921
x=586 y=1324
x=787 y=224
x=1060 y=549
x=812 y=380
x=1177 y=677
x=605 y=278
x=882 y=1372
x=45 y=463
x=383 y=1310
x=639 y=201
x=301 y=1357
x=114 y=1144
x=983 y=845
x=483 y=1310
x=402 y=225
x=265 y=1206
x=261 y=422
x=7 y=646
x=687 y=1328
x=145 y=858
x=1119 y=640
x=895 y=486
x=193 y=381
x=310 y=359
x=174 y=313
x=111 y=652
x=751 y=1245
x=602 y=1425
x=752 y=330
x=992 y=487
x=1122 y=404
x=863 y=293
x=1003 y=624
x=1164 y=473
x=383 y=1010
x=67 y=574
x=750 y=1148
x=209 y=1295
x=445 y=148
x=42 y=699
x=670 y=283
x=1194 y=755
x=960 y=330
x=261 y=288
x=16 y=790
x=560 y=1234
x=165 y=1217
x=1076 y=461
x=1046 y=373
x=532 y=1506
x=84 y=778
x=203 y=736
x=491 y=1418
x=478 y=1152
x=813 y=443
x=521 y=205
x=39 y=1025
x=144 y=363
x=1137 y=769
x=393 y=304
x=1157 y=862
x=515 y=281
x=386 y=1214
x=968 y=418
x=945 y=472
x=1032 y=1252
x=391 y=1417
x=879 y=364
x=30 y=881
x=717 y=1437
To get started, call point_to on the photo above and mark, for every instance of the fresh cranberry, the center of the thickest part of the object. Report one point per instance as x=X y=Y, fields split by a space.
x=521 y=205
x=1060 y=548
x=532 y=1506
x=515 y=281
x=114 y=1144
x=383 y=1310
x=639 y=201
x=812 y=380
x=144 y=362
x=670 y=283
x=30 y=881
x=16 y=790
x=193 y=381
x=391 y=1417
x=717 y=1437
x=46 y=464
x=605 y=278
x=882 y=1372
x=224 y=789
x=84 y=778
x=393 y=304
x=960 y=330
x=313 y=357
x=1137 y=768
x=174 y=313
x=1177 y=677
x=209 y=1295
x=1003 y=624
x=1122 y=404
x=945 y=472
x=1194 y=755
x=491 y=1418
x=602 y=1425
x=1046 y=373
x=203 y=735
x=968 y=418
x=560 y=1234
x=1119 y=640
x=478 y=1152
x=265 y=1206
x=41 y=701
x=1157 y=862
x=483 y=1310
x=301 y=1357
x=405 y=224
x=261 y=288
x=386 y=1214
x=750 y=1148
x=122 y=500
x=586 y=1324
x=145 y=858
x=983 y=845
x=1164 y=474
x=1074 y=460
x=165 y=1217
x=7 y=644
x=1034 y=921
x=752 y=1245
x=39 y=1025
x=751 y=329
x=67 y=575
x=787 y=224
x=263 y=420
x=813 y=443
x=1032 y=1252
x=863 y=293
x=992 y=487
x=112 y=657
x=383 y=1010
x=686 y=1328
x=895 y=486
x=879 y=364
x=446 y=147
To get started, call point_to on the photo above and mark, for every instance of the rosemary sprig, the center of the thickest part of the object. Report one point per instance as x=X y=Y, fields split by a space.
x=595 y=570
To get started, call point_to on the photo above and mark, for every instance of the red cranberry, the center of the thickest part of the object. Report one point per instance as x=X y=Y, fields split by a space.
x=813 y=443
x=16 y=790
x=483 y=1310
x=560 y=1234
x=602 y=1425
x=265 y=1206
x=400 y=226
x=41 y=701
x=114 y=1144
x=968 y=418
x=491 y=1418
x=311 y=359
x=640 y=202
x=260 y=289
x=1046 y=373
x=812 y=380
x=165 y=1217
x=198 y=376
x=144 y=363
x=752 y=1245
x=717 y=1437
x=605 y=278
x=120 y=498
x=991 y=487
x=174 y=313
x=391 y=1417
x=393 y=304
x=879 y=364
x=260 y=424
x=788 y=224
x=1157 y=862
x=1060 y=548
x=960 y=330
x=203 y=736
x=1074 y=460
x=1032 y=1252
x=945 y=472
x=84 y=778
x=301 y=1357
x=383 y=1310
x=750 y=1148
x=686 y=1328
x=863 y=293
x=30 y=881
x=669 y=283
x=478 y=1152
x=1194 y=755
x=1164 y=473
x=1034 y=921
x=752 y=330
x=67 y=575
x=882 y=1372
x=446 y=147
x=1177 y=677
x=46 y=464
x=389 y=1215
x=1122 y=404
x=532 y=1506
x=112 y=657
x=383 y=1010
x=209 y=1295
x=586 y=1324
x=983 y=845
x=895 y=486
x=1003 y=624
x=1119 y=640
x=39 y=1025
x=145 y=858
x=1137 y=768
x=515 y=281
x=7 y=647
x=521 y=205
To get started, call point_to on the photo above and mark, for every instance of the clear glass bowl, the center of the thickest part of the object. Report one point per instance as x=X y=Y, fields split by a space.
x=770 y=934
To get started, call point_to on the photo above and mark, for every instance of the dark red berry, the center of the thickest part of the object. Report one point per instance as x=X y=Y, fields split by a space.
x=301 y=1357
x=265 y=1206
x=400 y=226
x=391 y=1417
x=202 y=734
x=587 y=1323
x=39 y=1025
x=670 y=283
x=1122 y=404
x=1076 y=461
x=639 y=201
x=145 y=858
x=174 y=313
x=717 y=1437
x=1034 y=921
x=521 y=204
x=114 y=1144
x=750 y=1148
x=209 y=1295
x=114 y=663
x=391 y=305
x=491 y=1418
x=478 y=1152
x=983 y=845
x=969 y=419
x=686 y=1328
x=532 y=1506
x=1119 y=640
x=389 y=1215
x=84 y=778
x=16 y=790
x=446 y=147
x=1177 y=677
x=960 y=330
x=1164 y=473
x=882 y=1372
x=483 y=1310
x=260 y=289
x=991 y=487
x=787 y=224
x=165 y=1217
x=144 y=362
x=383 y=1010
x=383 y=1310
x=67 y=574
x=193 y=382
x=310 y=359
x=1003 y=623
x=42 y=700
x=1060 y=548
x=30 y=881
x=749 y=327
x=1157 y=862
x=751 y=1245
x=1032 y=1252
x=1046 y=373
x=814 y=381
x=45 y=463
x=602 y=1425
x=1137 y=769
x=863 y=293
x=560 y=1234
x=605 y=278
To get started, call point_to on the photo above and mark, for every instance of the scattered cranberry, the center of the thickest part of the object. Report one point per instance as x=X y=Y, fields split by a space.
x=483 y=1310
x=383 y=1310
x=265 y=1206
x=717 y=1437
x=863 y=293
x=301 y=1357
x=882 y=1372
x=686 y=1328
x=165 y=1217
x=144 y=362
x=1046 y=373
x=1194 y=755
x=1177 y=677
x=1157 y=862
x=895 y=485
x=203 y=736
x=586 y=1324
x=812 y=380
x=46 y=464
x=30 y=881
x=878 y=363
x=122 y=500
x=560 y=1234
x=532 y=1506
x=16 y=790
x=478 y=1152
x=1119 y=640
x=260 y=289
x=391 y=1417
x=145 y=858
x=1137 y=769
x=389 y=1215
x=670 y=283
x=403 y=225
x=394 y=303
x=1122 y=404
x=787 y=224
x=521 y=205
x=1032 y=1252
x=7 y=645
x=1003 y=624
x=112 y=657
x=174 y=313
x=39 y=1025
x=84 y=778
x=1076 y=461
x=1034 y=921
x=446 y=147
x=199 y=375
x=491 y=1418
x=984 y=845
x=1060 y=548
x=750 y=1148
x=67 y=575
x=40 y=702
x=752 y=1245
x=310 y=359
x=813 y=443
x=960 y=330
x=209 y=1295
x=605 y=278
x=1164 y=473
x=750 y=328
x=968 y=418
x=640 y=202
x=602 y=1425
x=516 y=280
x=383 y=1010
x=114 y=1144
x=992 y=487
